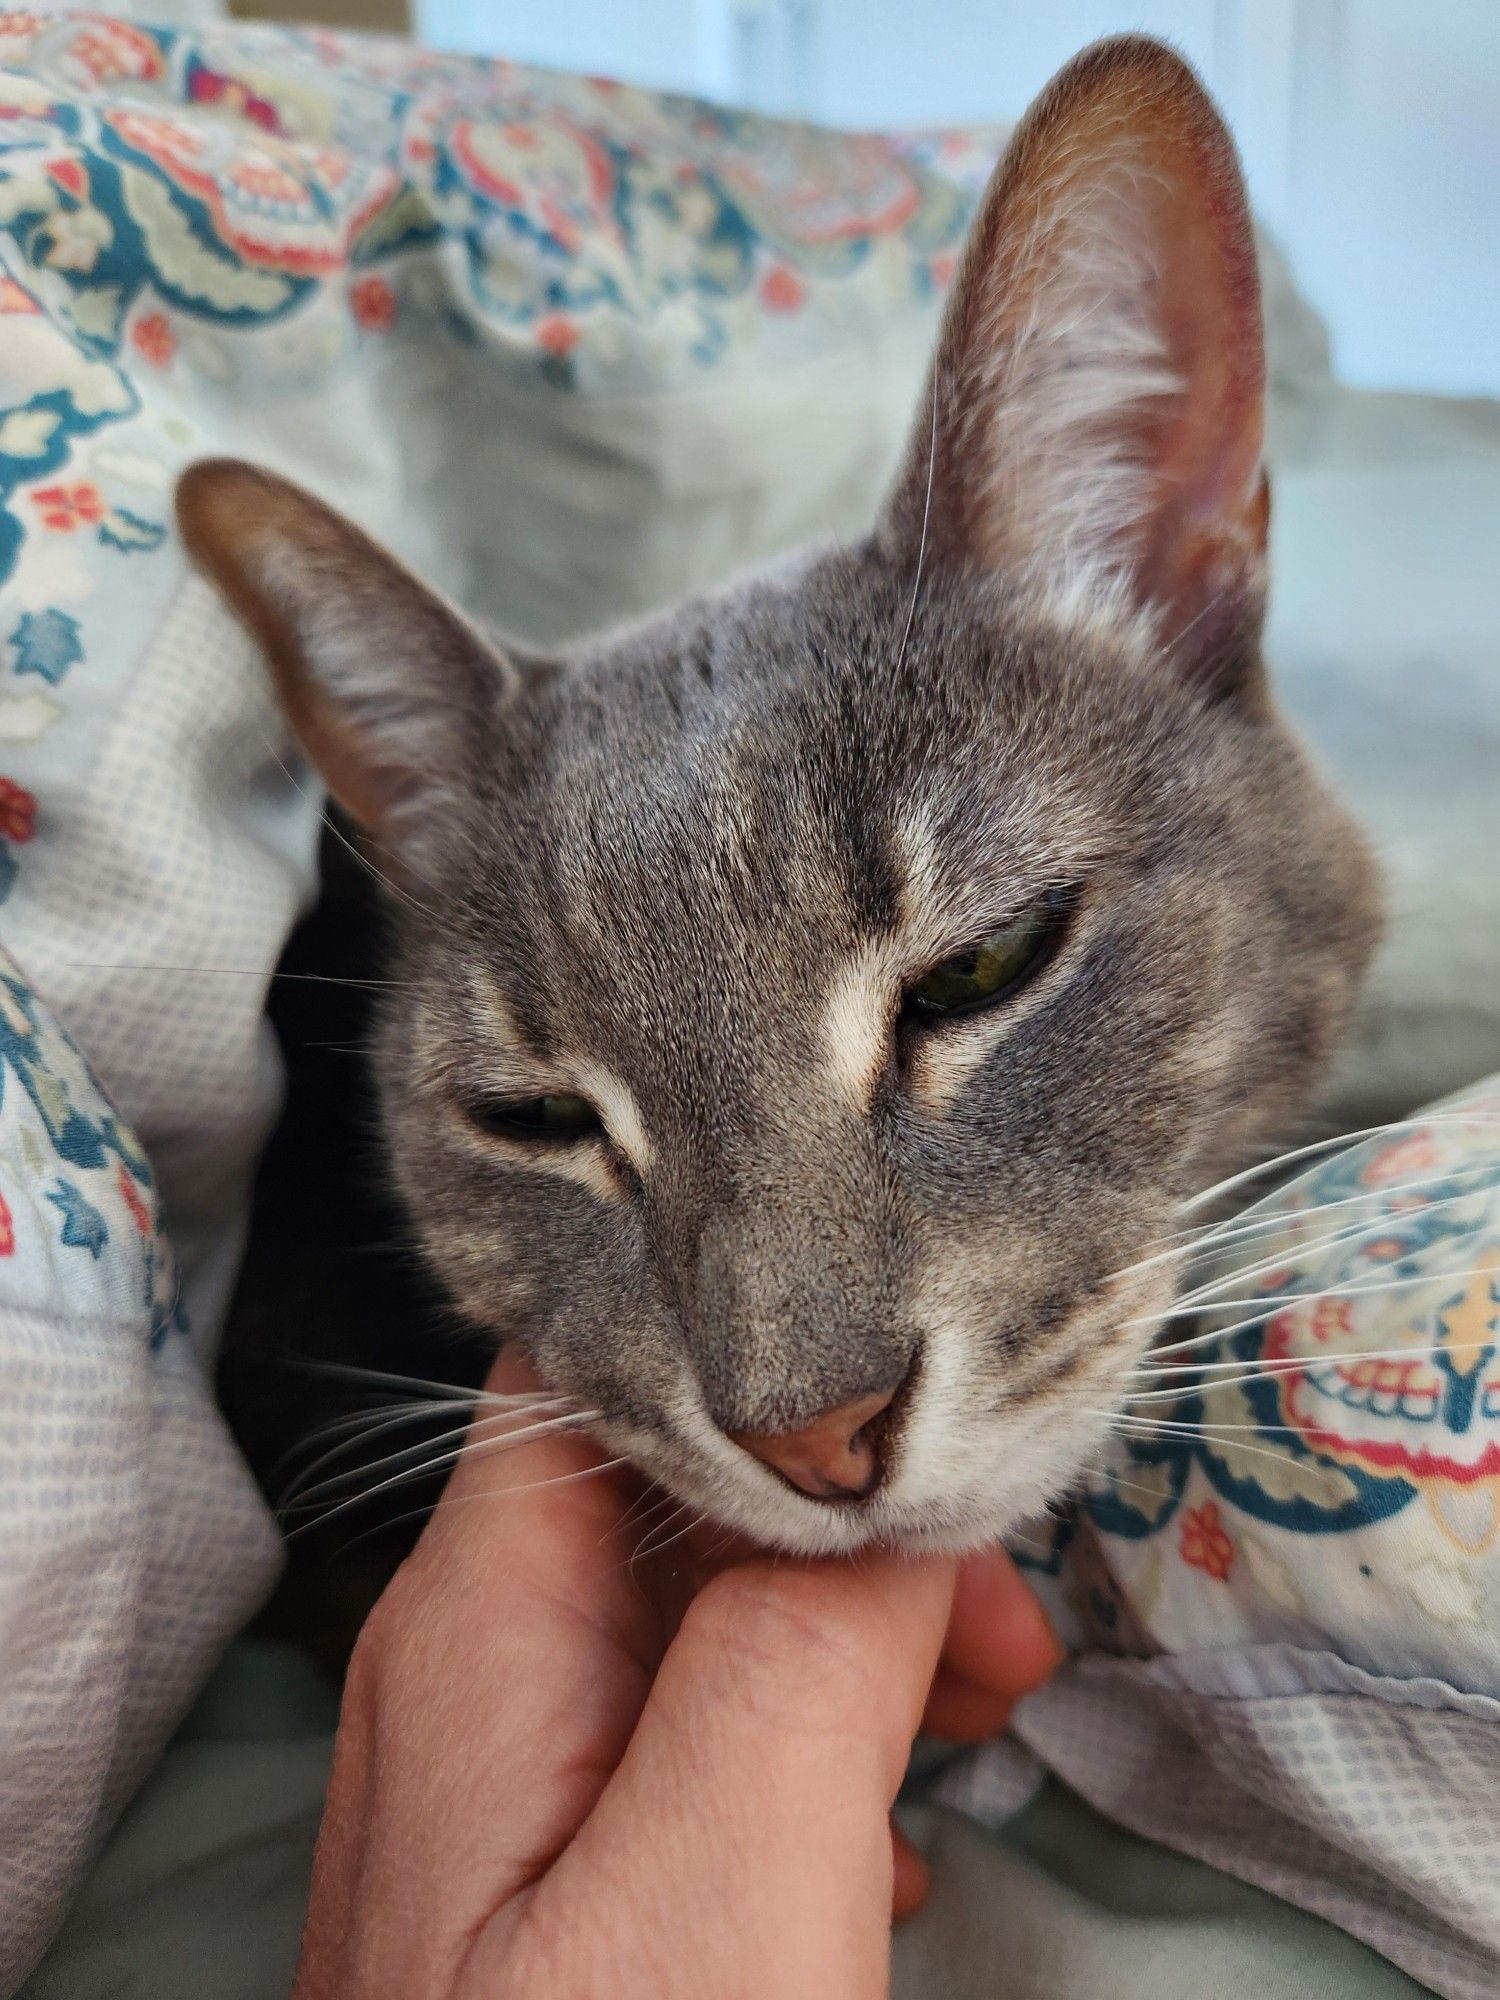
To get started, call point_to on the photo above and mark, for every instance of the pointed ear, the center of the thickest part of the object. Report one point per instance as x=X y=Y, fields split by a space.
x=387 y=687
x=1093 y=423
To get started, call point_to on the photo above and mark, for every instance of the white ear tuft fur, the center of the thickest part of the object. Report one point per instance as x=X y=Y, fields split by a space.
x=1072 y=383
x=1093 y=427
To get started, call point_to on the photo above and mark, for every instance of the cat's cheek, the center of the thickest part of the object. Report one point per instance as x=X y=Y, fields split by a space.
x=991 y=1435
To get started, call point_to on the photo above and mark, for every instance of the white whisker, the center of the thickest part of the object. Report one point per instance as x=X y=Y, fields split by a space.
x=911 y=609
x=1337 y=1142
x=644 y=1547
x=494 y=1493
x=1261 y=1217
x=1303 y=1252
x=1268 y=1308
x=640 y=1510
x=306 y=1495
x=353 y=1431
x=508 y=1441
x=381 y=1378
x=1151 y=1426
x=1242 y=1373
x=657 y=1548
x=1202 y=1242
x=1203 y=1299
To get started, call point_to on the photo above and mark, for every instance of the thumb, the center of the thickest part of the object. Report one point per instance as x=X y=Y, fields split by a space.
x=746 y=1830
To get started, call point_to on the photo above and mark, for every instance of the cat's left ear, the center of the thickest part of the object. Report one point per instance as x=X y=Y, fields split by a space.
x=1092 y=428
x=388 y=688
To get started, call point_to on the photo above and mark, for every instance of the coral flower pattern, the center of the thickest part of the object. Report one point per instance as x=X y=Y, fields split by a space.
x=17 y=811
x=374 y=304
x=1203 y=1542
x=154 y=340
x=68 y=508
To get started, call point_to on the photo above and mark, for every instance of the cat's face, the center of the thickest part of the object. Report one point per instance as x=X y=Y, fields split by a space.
x=812 y=1007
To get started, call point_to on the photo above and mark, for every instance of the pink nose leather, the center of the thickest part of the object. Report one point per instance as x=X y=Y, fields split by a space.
x=832 y=1458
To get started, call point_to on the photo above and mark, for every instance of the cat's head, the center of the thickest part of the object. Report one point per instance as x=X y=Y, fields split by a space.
x=811 y=1007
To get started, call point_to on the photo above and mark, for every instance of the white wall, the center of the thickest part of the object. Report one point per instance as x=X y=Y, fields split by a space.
x=645 y=41
x=1393 y=213
x=1370 y=128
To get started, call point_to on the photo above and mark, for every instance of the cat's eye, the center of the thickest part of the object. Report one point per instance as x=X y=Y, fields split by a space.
x=994 y=967
x=560 y=1118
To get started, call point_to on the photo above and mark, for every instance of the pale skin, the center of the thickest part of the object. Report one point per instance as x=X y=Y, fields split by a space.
x=561 y=1774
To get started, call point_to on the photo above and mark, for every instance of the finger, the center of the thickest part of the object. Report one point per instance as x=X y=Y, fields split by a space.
x=962 y=1712
x=492 y=1692
x=999 y=1636
x=912 y=1878
x=751 y=1808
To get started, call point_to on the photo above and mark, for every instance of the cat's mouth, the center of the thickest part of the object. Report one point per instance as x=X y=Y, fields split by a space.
x=959 y=1462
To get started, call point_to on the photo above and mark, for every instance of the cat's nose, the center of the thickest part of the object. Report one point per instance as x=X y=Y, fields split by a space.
x=835 y=1457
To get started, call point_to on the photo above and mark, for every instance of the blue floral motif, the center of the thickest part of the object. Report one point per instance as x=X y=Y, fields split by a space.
x=46 y=643
x=83 y=1227
x=71 y=1173
x=77 y=1138
x=127 y=532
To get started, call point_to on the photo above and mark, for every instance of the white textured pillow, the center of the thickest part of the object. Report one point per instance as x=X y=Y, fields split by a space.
x=132 y=1540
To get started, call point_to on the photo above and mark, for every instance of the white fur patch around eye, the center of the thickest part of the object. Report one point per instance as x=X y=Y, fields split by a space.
x=921 y=892
x=862 y=1000
x=621 y=1114
x=856 y=1024
x=585 y=1164
x=491 y=1015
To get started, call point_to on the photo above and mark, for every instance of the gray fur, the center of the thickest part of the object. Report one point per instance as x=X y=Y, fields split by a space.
x=656 y=858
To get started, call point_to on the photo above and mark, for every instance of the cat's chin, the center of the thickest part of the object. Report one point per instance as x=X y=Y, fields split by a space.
x=989 y=1481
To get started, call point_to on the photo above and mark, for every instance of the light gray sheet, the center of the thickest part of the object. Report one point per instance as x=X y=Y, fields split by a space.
x=199 y=1894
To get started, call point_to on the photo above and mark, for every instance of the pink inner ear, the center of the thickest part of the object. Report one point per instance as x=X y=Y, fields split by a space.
x=1099 y=384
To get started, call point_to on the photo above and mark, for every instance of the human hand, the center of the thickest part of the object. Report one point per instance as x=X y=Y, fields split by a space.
x=562 y=1772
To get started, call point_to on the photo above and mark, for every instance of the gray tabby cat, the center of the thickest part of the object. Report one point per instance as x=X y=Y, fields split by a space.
x=812 y=1006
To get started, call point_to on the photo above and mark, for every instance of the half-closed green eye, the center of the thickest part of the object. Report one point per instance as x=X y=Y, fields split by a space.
x=560 y=1118
x=996 y=966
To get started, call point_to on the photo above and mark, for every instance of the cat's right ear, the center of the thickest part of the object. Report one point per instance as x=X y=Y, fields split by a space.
x=387 y=687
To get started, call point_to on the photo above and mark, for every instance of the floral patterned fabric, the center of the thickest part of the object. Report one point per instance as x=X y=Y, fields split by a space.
x=166 y=191
x=77 y=1205
x=1328 y=1473
x=1282 y=1584
x=132 y=1541
x=195 y=220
